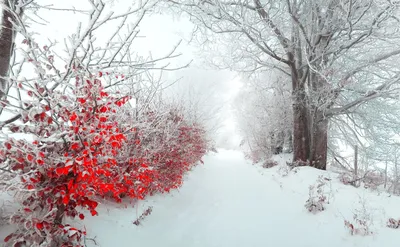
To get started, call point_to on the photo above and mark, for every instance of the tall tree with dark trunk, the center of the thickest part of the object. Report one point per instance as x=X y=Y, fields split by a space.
x=6 y=43
x=328 y=48
x=11 y=11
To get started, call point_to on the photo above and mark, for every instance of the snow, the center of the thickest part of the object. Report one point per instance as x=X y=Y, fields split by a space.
x=229 y=202
x=6 y=206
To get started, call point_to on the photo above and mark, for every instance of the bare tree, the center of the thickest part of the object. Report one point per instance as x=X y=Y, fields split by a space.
x=329 y=49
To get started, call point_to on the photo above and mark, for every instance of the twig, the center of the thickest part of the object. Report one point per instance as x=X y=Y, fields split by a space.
x=352 y=182
x=92 y=239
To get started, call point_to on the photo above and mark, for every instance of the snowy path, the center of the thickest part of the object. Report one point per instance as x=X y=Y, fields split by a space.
x=228 y=203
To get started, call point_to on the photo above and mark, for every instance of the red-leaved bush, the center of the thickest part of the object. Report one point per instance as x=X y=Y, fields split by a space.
x=169 y=144
x=76 y=141
x=178 y=157
x=81 y=150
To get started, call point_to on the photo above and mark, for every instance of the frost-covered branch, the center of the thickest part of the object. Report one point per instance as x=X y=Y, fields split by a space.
x=83 y=50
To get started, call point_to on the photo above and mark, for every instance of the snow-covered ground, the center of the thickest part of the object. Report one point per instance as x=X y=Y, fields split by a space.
x=227 y=202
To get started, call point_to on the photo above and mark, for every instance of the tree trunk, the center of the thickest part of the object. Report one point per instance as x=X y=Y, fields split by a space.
x=356 y=163
x=386 y=177
x=319 y=147
x=6 y=44
x=301 y=137
x=396 y=175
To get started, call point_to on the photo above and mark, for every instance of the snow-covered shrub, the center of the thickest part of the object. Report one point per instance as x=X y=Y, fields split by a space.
x=286 y=169
x=393 y=223
x=269 y=164
x=168 y=143
x=63 y=144
x=179 y=155
x=370 y=179
x=362 y=220
x=346 y=177
x=358 y=227
x=318 y=197
x=70 y=160
x=373 y=180
x=81 y=150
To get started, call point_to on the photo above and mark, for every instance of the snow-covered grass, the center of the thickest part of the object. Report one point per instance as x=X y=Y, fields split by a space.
x=229 y=202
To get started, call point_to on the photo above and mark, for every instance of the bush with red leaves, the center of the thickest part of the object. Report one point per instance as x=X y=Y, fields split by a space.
x=68 y=163
x=81 y=150
x=168 y=143
x=76 y=146
x=179 y=157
